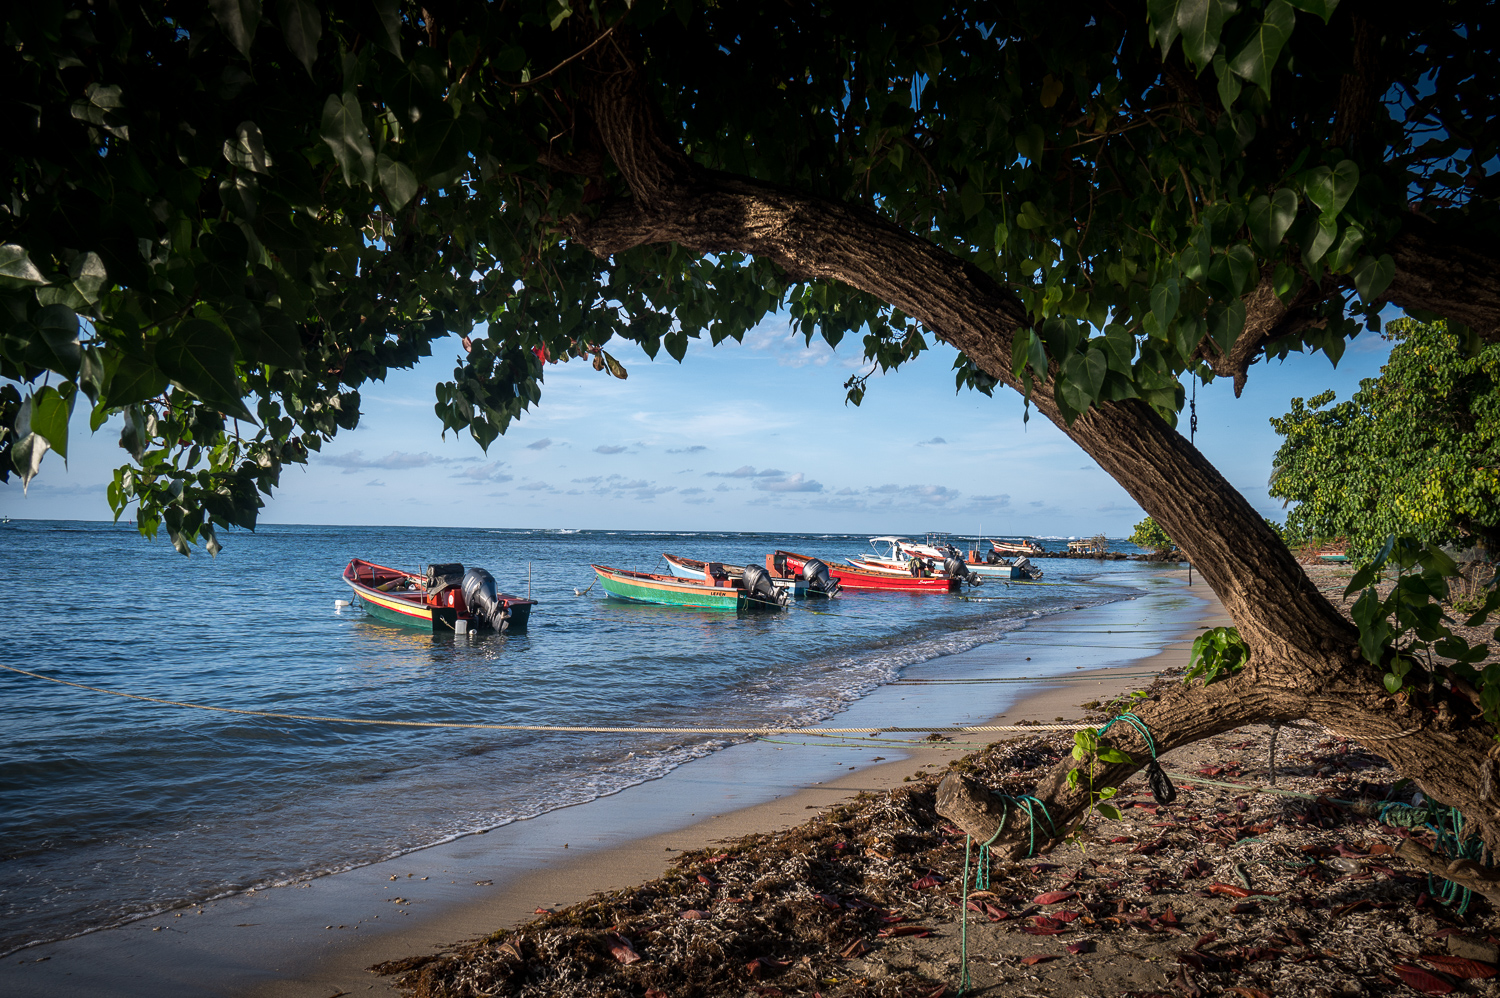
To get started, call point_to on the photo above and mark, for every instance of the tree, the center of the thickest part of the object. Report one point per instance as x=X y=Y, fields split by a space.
x=1416 y=451
x=254 y=216
x=1149 y=535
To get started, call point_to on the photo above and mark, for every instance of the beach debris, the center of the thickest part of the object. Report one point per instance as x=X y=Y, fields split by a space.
x=1036 y=958
x=621 y=949
x=763 y=966
x=1465 y=945
x=1054 y=897
x=1424 y=981
x=695 y=914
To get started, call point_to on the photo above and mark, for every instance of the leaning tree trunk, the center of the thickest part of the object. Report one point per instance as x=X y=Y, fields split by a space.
x=1304 y=661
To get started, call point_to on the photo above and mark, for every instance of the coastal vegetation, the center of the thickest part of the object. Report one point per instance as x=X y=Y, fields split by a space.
x=219 y=222
x=1415 y=452
x=1149 y=535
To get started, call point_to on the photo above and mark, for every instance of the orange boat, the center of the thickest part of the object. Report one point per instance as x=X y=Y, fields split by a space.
x=786 y=565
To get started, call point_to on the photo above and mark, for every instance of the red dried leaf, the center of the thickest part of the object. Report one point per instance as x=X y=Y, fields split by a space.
x=1205 y=939
x=1249 y=992
x=1039 y=930
x=1055 y=897
x=920 y=931
x=655 y=993
x=854 y=949
x=542 y=911
x=1044 y=867
x=1231 y=890
x=931 y=880
x=1120 y=838
x=706 y=881
x=1169 y=917
x=1065 y=916
x=996 y=914
x=1086 y=946
x=1245 y=908
x=694 y=914
x=1460 y=966
x=1036 y=958
x=620 y=948
x=828 y=901
x=1210 y=771
x=721 y=857
x=764 y=966
x=1424 y=981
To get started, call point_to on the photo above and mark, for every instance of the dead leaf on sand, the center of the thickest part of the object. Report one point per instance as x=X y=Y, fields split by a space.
x=1036 y=958
x=1423 y=980
x=620 y=948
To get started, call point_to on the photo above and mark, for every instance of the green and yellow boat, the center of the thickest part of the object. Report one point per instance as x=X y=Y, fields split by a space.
x=717 y=592
x=447 y=599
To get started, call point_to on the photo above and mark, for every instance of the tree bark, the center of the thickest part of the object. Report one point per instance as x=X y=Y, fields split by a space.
x=1304 y=658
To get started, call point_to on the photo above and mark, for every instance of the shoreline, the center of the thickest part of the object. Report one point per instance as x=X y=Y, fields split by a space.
x=274 y=942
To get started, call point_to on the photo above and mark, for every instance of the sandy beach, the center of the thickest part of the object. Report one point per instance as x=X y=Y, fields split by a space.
x=319 y=938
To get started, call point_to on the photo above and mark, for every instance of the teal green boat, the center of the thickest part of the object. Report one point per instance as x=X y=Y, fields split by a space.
x=722 y=593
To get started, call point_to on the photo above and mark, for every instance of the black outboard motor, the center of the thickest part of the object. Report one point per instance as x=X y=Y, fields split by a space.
x=1028 y=570
x=956 y=569
x=758 y=586
x=815 y=574
x=483 y=600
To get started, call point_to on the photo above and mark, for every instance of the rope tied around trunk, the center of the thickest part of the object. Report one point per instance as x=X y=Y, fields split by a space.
x=1447 y=825
x=982 y=868
x=1161 y=785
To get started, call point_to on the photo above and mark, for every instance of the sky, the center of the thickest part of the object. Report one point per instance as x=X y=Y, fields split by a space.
x=752 y=436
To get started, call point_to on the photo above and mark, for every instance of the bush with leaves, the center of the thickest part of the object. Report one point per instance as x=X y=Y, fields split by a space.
x=1149 y=535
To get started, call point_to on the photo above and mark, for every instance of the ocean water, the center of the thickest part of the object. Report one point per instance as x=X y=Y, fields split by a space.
x=111 y=809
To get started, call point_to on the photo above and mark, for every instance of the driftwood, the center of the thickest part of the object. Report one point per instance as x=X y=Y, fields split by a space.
x=979 y=811
x=1463 y=872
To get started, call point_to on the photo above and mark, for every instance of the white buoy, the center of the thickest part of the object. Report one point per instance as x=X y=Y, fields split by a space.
x=340 y=603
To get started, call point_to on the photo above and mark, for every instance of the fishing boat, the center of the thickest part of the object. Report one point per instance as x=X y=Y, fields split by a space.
x=446 y=600
x=786 y=564
x=1010 y=549
x=936 y=555
x=801 y=586
x=716 y=591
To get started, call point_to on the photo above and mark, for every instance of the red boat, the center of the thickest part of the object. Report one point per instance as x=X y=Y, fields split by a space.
x=786 y=565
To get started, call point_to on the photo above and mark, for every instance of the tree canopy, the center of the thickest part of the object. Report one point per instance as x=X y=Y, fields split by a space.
x=1415 y=452
x=219 y=221
x=254 y=209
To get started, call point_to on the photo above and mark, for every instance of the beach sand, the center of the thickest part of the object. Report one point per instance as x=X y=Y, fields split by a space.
x=320 y=937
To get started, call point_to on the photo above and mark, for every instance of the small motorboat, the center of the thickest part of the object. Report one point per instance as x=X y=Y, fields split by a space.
x=809 y=582
x=446 y=600
x=903 y=556
x=786 y=564
x=1010 y=549
x=753 y=589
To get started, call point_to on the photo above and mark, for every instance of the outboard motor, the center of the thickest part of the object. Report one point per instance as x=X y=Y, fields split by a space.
x=815 y=574
x=440 y=577
x=1028 y=570
x=758 y=586
x=483 y=600
x=956 y=569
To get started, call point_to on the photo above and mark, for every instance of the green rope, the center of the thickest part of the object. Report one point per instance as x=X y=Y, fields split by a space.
x=1447 y=825
x=982 y=869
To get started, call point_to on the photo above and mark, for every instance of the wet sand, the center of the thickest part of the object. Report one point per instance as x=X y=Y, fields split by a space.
x=318 y=938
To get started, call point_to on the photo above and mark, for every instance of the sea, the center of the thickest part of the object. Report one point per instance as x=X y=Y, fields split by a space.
x=112 y=809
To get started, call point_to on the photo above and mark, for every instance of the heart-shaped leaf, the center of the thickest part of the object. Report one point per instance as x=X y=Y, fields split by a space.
x=16 y=268
x=199 y=358
x=1372 y=276
x=1270 y=217
x=302 y=26
x=1201 y=22
x=1331 y=189
x=399 y=183
x=345 y=133
x=1258 y=58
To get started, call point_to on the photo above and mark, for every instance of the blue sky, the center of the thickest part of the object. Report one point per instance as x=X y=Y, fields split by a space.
x=751 y=436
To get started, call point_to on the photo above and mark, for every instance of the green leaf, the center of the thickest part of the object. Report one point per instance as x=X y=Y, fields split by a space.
x=1258 y=58
x=1270 y=217
x=58 y=325
x=390 y=25
x=1320 y=236
x=302 y=26
x=1031 y=143
x=1372 y=276
x=676 y=343
x=247 y=150
x=344 y=131
x=1229 y=84
x=238 y=19
x=199 y=358
x=1164 y=300
x=1108 y=811
x=1226 y=324
x=1161 y=15
x=396 y=178
x=1114 y=755
x=49 y=418
x=29 y=448
x=1329 y=189
x=133 y=381
x=1320 y=8
x=1348 y=246
x=1201 y=22
x=1241 y=267
x=1392 y=683
x=16 y=268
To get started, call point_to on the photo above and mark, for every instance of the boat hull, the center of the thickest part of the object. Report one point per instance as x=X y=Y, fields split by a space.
x=687 y=568
x=853 y=578
x=667 y=590
x=411 y=610
x=996 y=571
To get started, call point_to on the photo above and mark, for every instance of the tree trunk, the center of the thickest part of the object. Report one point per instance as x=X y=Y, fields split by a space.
x=1304 y=658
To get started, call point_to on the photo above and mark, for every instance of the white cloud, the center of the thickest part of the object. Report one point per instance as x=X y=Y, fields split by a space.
x=609 y=449
x=695 y=448
x=933 y=441
x=690 y=492
x=541 y=444
x=795 y=483
x=533 y=487
x=485 y=473
x=355 y=461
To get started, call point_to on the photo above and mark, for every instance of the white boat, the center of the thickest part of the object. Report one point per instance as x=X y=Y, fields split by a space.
x=689 y=568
